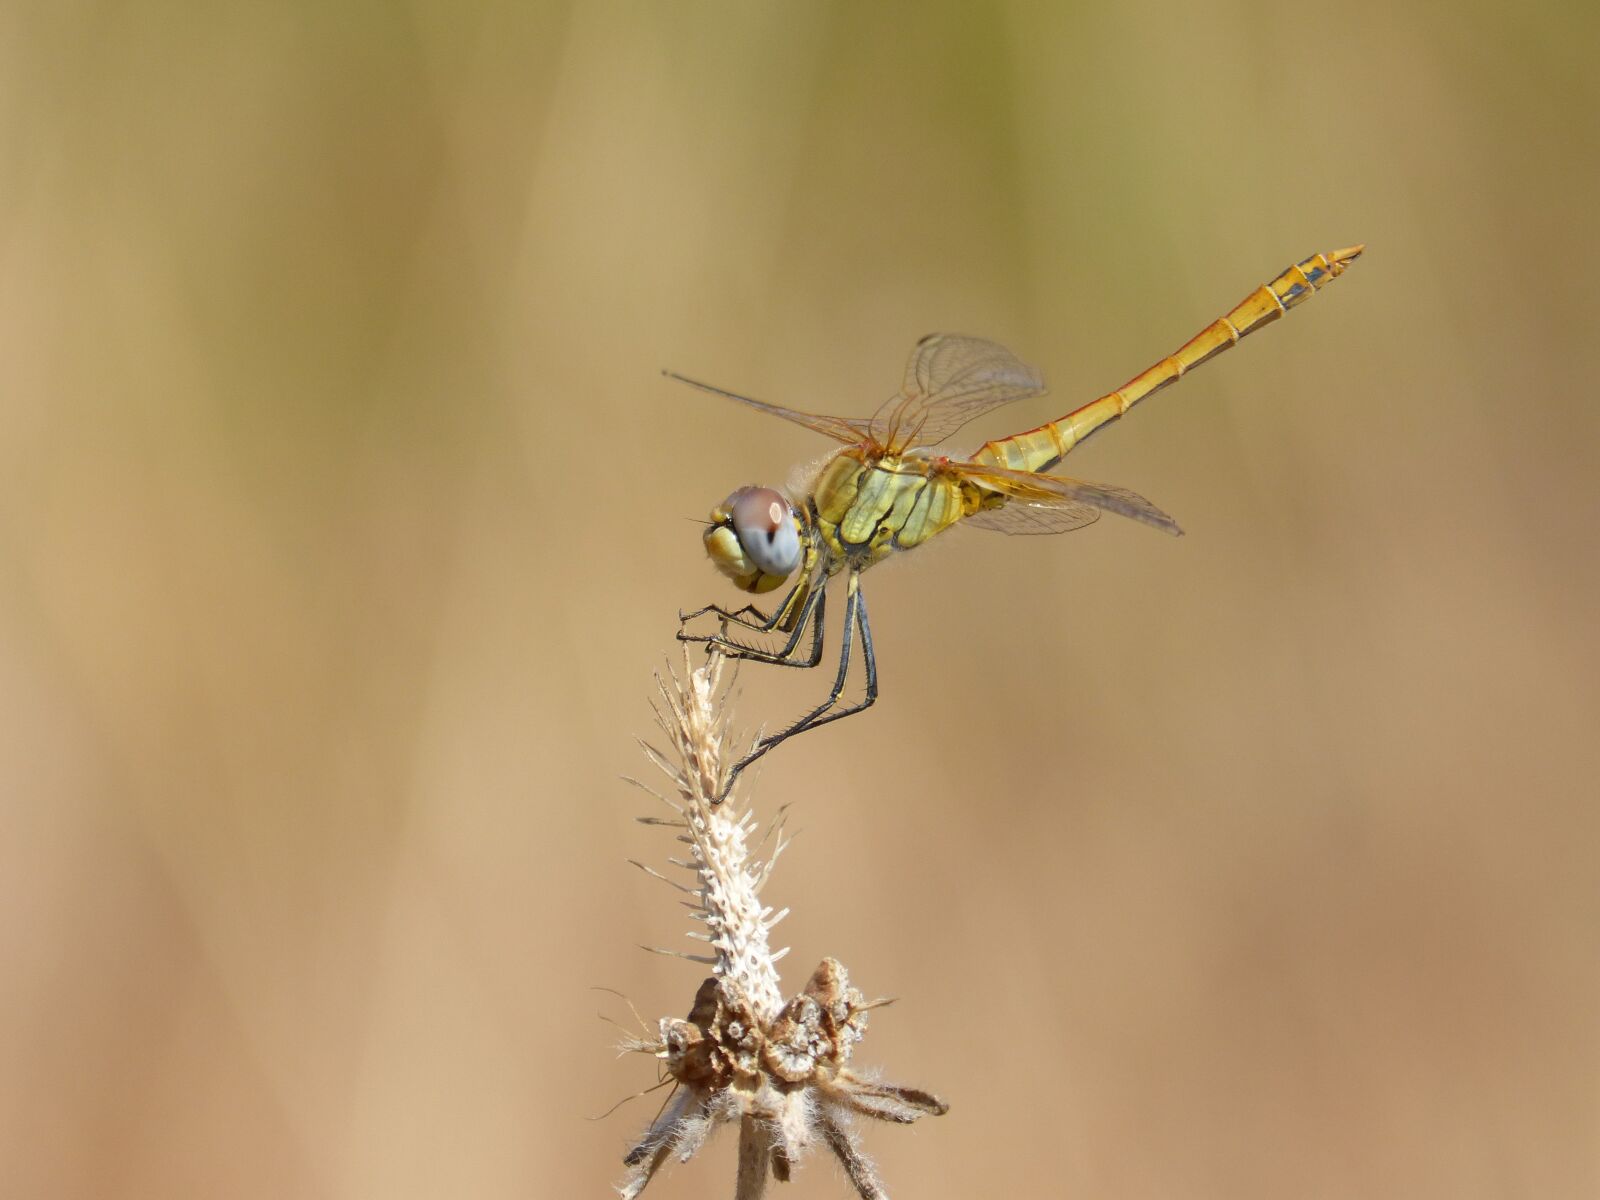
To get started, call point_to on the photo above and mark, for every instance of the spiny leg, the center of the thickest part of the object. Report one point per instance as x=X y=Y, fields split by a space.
x=812 y=613
x=783 y=617
x=761 y=621
x=855 y=617
x=869 y=660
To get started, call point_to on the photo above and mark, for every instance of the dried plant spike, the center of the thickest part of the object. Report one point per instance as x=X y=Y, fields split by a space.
x=695 y=720
x=779 y=1069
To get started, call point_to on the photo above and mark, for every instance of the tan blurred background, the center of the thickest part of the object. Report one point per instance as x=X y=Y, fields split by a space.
x=343 y=520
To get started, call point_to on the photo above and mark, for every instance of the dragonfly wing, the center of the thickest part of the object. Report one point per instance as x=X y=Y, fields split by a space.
x=1054 y=489
x=1023 y=517
x=844 y=429
x=950 y=380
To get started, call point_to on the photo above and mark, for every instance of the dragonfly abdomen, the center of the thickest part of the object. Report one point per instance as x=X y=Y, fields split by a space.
x=1042 y=448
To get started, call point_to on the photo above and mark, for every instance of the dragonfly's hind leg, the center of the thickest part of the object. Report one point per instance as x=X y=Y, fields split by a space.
x=855 y=618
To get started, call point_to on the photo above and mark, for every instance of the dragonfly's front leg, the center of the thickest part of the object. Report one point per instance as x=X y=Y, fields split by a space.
x=759 y=620
x=788 y=617
x=855 y=618
x=812 y=613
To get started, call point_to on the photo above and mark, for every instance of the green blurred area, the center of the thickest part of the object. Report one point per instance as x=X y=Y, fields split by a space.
x=342 y=522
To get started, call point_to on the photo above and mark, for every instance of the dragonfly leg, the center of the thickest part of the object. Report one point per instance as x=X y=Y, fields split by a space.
x=855 y=618
x=782 y=618
x=869 y=661
x=760 y=620
x=812 y=613
x=789 y=617
x=789 y=613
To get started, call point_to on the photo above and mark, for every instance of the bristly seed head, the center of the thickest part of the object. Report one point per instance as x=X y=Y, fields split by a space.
x=781 y=1069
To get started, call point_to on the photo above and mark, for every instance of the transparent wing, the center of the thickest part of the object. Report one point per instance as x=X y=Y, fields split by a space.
x=1022 y=517
x=951 y=379
x=1051 y=490
x=844 y=429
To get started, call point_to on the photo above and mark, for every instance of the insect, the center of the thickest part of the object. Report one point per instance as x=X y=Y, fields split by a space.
x=889 y=490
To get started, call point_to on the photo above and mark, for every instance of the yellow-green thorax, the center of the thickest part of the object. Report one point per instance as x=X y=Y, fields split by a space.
x=869 y=507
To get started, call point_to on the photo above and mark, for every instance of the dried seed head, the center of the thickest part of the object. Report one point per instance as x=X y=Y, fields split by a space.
x=781 y=1069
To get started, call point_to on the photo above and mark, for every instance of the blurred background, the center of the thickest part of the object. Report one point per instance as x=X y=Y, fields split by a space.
x=344 y=516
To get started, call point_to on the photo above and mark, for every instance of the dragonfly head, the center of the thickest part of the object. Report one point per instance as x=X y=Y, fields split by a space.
x=754 y=539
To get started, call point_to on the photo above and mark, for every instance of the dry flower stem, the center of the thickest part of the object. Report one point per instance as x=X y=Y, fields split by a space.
x=781 y=1069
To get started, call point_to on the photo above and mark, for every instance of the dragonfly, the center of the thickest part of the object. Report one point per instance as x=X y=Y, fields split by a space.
x=889 y=489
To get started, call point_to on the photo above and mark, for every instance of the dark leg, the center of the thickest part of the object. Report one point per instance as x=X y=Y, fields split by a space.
x=783 y=617
x=869 y=660
x=855 y=617
x=758 y=619
x=812 y=613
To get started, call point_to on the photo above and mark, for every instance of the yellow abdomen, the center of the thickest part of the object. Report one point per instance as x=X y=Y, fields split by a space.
x=869 y=508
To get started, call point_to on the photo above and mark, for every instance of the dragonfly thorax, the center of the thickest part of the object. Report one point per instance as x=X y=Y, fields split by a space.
x=871 y=505
x=754 y=539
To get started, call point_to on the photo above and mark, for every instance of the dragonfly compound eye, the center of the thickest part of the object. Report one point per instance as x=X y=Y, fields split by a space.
x=754 y=539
